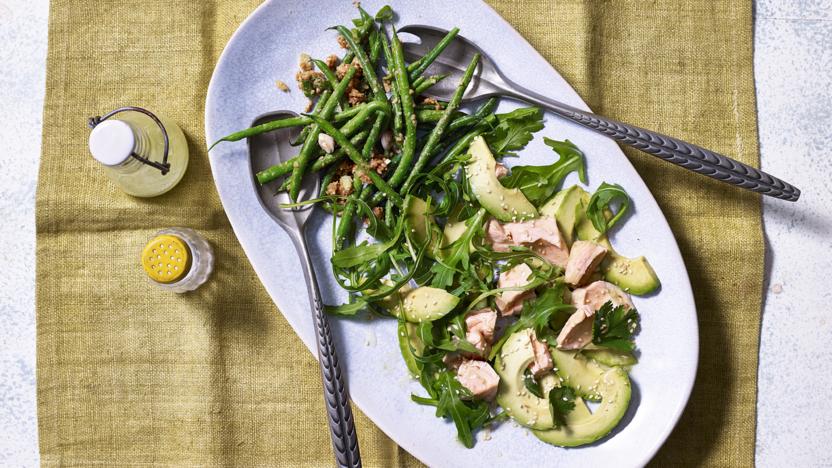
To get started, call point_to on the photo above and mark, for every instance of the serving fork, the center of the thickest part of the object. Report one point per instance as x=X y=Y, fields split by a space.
x=266 y=150
x=489 y=81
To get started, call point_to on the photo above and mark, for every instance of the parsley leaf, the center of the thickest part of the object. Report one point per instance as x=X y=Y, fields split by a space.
x=614 y=327
x=600 y=203
x=514 y=131
x=561 y=402
x=539 y=183
x=532 y=384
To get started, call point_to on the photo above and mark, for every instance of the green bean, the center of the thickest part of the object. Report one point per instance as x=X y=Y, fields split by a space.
x=426 y=83
x=328 y=73
x=428 y=59
x=356 y=157
x=263 y=128
x=359 y=119
x=406 y=98
x=394 y=87
x=462 y=144
x=311 y=143
x=345 y=226
x=365 y=109
x=330 y=78
x=439 y=129
x=388 y=214
x=319 y=104
x=485 y=109
x=372 y=139
x=375 y=47
x=349 y=113
x=269 y=174
x=433 y=115
x=366 y=66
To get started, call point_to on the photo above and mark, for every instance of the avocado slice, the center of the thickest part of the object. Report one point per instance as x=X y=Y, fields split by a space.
x=410 y=345
x=582 y=427
x=422 y=304
x=503 y=203
x=634 y=275
x=578 y=372
x=454 y=229
x=426 y=304
x=416 y=222
x=513 y=360
x=611 y=357
x=567 y=208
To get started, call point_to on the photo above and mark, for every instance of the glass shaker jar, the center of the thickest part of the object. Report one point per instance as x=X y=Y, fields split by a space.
x=144 y=154
x=178 y=259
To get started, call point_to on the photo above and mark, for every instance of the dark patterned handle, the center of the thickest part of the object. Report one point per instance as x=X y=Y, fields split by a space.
x=687 y=155
x=339 y=413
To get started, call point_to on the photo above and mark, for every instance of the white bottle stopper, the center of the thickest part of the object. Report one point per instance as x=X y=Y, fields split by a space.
x=111 y=142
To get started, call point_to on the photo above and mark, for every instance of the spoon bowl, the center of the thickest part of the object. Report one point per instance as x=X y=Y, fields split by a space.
x=268 y=149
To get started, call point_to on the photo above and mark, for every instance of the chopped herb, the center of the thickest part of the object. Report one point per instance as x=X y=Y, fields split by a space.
x=561 y=402
x=614 y=327
x=531 y=383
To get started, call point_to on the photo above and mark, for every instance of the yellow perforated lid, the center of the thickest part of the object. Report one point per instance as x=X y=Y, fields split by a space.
x=166 y=259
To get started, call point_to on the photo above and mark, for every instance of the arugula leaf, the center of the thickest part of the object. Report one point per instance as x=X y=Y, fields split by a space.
x=539 y=183
x=514 y=131
x=384 y=14
x=561 y=402
x=600 y=203
x=348 y=310
x=364 y=253
x=447 y=396
x=531 y=384
x=536 y=314
x=614 y=326
x=457 y=253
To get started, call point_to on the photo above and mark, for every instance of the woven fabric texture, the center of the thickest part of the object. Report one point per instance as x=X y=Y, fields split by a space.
x=131 y=376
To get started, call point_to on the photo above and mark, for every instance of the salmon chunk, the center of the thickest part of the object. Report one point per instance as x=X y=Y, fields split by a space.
x=479 y=378
x=511 y=302
x=500 y=171
x=480 y=325
x=542 y=358
x=583 y=260
x=541 y=235
x=577 y=332
x=596 y=294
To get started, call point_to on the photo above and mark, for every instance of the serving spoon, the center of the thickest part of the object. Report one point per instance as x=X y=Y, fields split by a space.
x=266 y=150
x=489 y=81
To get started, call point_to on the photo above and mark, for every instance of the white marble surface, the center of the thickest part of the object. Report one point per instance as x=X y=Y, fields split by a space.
x=794 y=77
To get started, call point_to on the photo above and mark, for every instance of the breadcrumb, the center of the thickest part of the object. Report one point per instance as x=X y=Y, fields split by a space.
x=332 y=61
x=312 y=83
x=432 y=101
x=341 y=187
x=379 y=163
x=305 y=62
x=342 y=42
x=356 y=97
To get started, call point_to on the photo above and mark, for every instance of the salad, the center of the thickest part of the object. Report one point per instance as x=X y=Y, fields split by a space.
x=511 y=302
